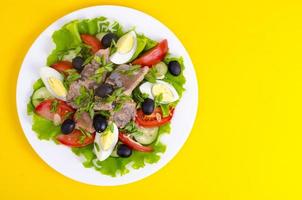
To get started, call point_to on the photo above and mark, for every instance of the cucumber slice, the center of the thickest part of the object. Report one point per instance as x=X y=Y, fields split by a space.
x=161 y=70
x=40 y=95
x=149 y=135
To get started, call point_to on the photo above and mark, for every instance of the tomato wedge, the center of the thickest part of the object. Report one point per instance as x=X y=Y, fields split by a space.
x=153 y=120
x=62 y=66
x=58 y=114
x=133 y=144
x=76 y=139
x=154 y=55
x=92 y=41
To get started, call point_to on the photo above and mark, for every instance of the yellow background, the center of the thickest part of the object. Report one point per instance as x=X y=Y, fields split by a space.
x=246 y=142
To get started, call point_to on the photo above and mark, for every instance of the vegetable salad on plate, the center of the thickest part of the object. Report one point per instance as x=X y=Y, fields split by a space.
x=108 y=94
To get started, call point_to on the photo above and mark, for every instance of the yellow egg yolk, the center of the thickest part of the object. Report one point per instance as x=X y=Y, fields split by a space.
x=57 y=87
x=106 y=139
x=158 y=89
x=125 y=43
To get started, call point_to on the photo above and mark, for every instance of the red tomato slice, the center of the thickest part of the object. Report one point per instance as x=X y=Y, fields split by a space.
x=62 y=111
x=62 y=66
x=132 y=144
x=76 y=139
x=153 y=120
x=91 y=41
x=154 y=55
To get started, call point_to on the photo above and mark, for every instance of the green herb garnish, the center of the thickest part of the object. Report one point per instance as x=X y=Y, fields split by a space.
x=131 y=70
x=54 y=106
x=131 y=128
x=72 y=76
x=151 y=75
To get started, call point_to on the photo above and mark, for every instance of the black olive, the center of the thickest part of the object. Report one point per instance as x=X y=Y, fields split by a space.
x=104 y=90
x=123 y=151
x=77 y=63
x=67 y=126
x=174 y=68
x=107 y=39
x=99 y=123
x=148 y=106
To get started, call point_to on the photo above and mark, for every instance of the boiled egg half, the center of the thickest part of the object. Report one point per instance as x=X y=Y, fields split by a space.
x=126 y=47
x=168 y=92
x=53 y=81
x=105 y=142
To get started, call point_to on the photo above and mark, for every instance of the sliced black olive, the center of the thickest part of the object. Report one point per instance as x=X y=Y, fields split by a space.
x=77 y=63
x=107 y=39
x=148 y=106
x=123 y=151
x=67 y=126
x=104 y=90
x=174 y=68
x=99 y=123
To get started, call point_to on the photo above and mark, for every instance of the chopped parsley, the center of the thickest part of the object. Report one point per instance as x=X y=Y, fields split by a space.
x=151 y=75
x=85 y=101
x=131 y=70
x=158 y=99
x=54 y=106
x=165 y=108
x=138 y=96
x=132 y=129
x=72 y=76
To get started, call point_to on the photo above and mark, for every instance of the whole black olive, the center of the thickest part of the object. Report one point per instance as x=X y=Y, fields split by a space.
x=148 y=106
x=107 y=39
x=174 y=68
x=77 y=63
x=123 y=151
x=99 y=123
x=67 y=126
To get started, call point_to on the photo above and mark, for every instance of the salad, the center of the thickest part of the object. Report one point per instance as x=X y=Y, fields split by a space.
x=108 y=94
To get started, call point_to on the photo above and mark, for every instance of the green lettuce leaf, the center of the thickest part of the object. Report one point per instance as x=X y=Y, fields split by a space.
x=177 y=81
x=68 y=37
x=65 y=39
x=30 y=108
x=38 y=84
x=44 y=128
x=141 y=44
x=150 y=44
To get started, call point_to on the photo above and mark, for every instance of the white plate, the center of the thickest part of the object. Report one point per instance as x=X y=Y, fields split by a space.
x=60 y=157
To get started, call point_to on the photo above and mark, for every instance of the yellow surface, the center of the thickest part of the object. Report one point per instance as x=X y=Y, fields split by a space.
x=246 y=142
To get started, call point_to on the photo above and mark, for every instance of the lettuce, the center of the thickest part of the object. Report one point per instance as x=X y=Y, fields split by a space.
x=141 y=44
x=177 y=81
x=38 y=84
x=65 y=39
x=150 y=44
x=113 y=166
x=92 y=26
x=68 y=37
x=44 y=128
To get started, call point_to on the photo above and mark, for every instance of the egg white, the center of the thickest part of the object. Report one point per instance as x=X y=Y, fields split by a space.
x=102 y=154
x=48 y=72
x=147 y=88
x=122 y=58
